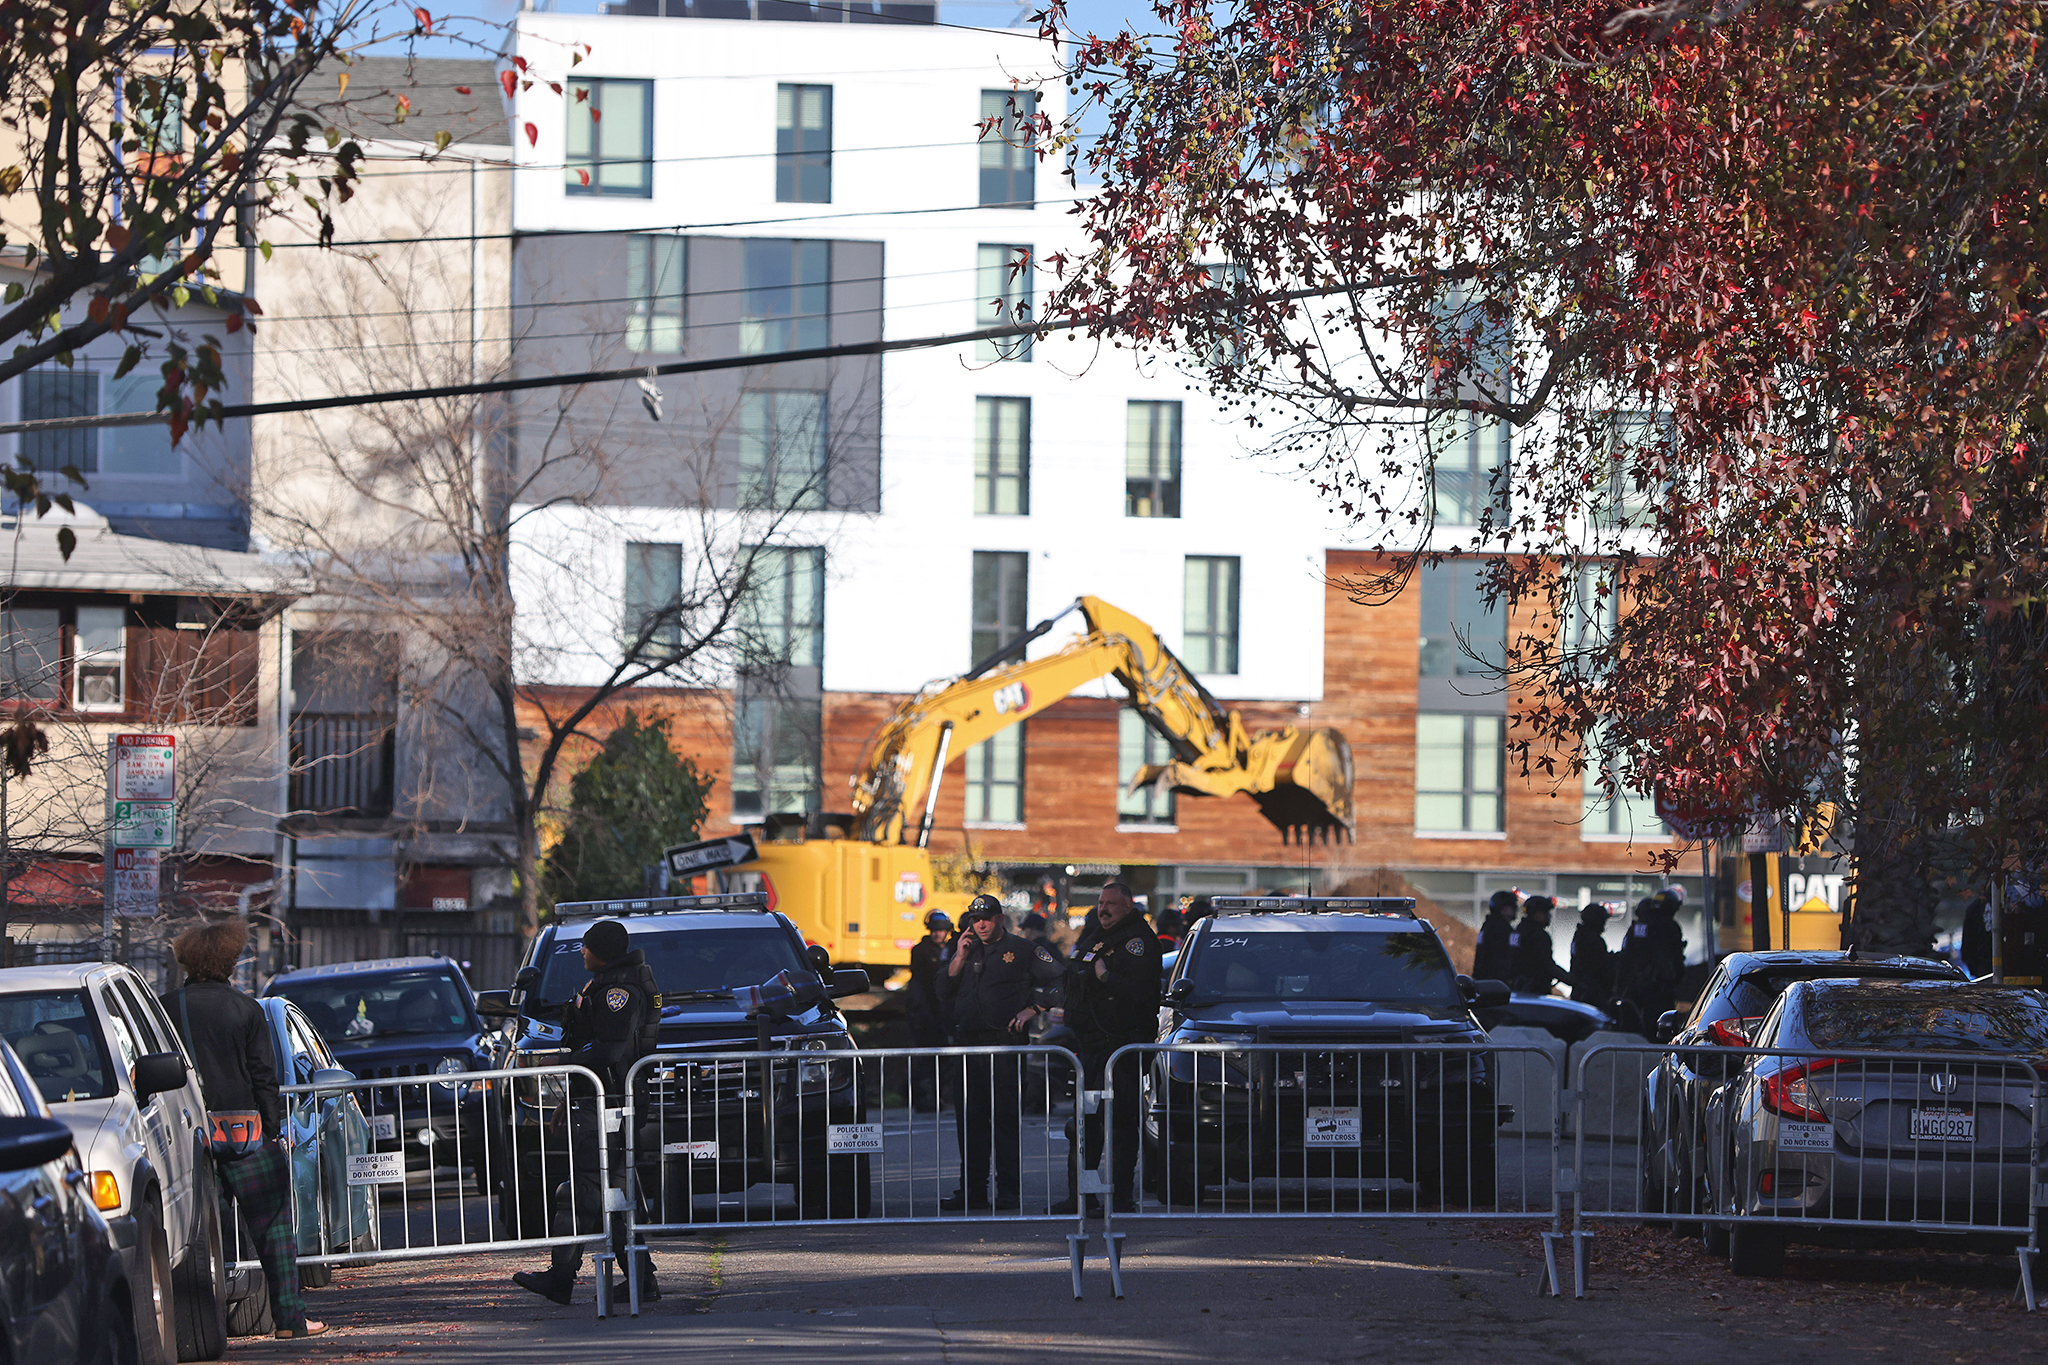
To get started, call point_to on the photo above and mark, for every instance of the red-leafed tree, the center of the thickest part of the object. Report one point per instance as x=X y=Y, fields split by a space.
x=1732 y=314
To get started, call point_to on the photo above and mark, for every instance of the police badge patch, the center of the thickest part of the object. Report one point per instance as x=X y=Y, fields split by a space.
x=1009 y=957
x=615 y=999
x=1135 y=946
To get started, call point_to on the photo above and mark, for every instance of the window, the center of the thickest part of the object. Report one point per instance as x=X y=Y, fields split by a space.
x=1002 y=456
x=100 y=659
x=1591 y=609
x=782 y=620
x=654 y=575
x=1630 y=436
x=31 y=668
x=803 y=144
x=999 y=600
x=1460 y=772
x=782 y=448
x=786 y=305
x=778 y=727
x=611 y=137
x=1455 y=616
x=1227 y=323
x=48 y=394
x=1209 y=630
x=1138 y=746
x=156 y=114
x=1003 y=295
x=1630 y=813
x=1471 y=455
x=1008 y=163
x=654 y=283
x=1152 y=460
x=995 y=779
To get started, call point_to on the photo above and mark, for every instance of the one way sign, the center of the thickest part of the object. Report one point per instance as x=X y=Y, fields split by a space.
x=688 y=859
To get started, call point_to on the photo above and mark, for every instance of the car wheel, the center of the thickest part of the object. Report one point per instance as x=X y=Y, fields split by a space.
x=1652 y=1198
x=249 y=1315
x=199 y=1285
x=1754 y=1250
x=156 y=1327
x=315 y=1276
x=1714 y=1237
x=119 y=1339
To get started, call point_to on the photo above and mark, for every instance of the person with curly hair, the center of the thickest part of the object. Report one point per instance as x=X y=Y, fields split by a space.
x=229 y=1041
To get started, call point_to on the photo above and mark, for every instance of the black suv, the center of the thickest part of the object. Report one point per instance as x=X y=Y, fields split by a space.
x=734 y=977
x=401 y=1016
x=1311 y=971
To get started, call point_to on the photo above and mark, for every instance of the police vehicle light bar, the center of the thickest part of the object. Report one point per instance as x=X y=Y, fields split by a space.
x=662 y=905
x=1311 y=905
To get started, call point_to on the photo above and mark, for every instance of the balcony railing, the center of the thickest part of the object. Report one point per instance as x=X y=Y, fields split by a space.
x=342 y=765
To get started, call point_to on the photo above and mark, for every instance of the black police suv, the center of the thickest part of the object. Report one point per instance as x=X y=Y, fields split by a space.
x=64 y=1290
x=401 y=1016
x=1316 y=972
x=735 y=977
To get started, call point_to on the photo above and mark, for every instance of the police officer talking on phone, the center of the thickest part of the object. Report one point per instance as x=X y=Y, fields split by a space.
x=998 y=983
x=1112 y=999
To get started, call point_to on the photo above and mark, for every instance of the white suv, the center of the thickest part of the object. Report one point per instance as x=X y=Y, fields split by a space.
x=99 y=1046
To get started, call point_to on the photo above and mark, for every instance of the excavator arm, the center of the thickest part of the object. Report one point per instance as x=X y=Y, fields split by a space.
x=1301 y=779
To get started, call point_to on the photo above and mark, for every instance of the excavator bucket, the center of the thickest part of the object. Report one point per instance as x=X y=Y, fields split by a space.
x=1310 y=798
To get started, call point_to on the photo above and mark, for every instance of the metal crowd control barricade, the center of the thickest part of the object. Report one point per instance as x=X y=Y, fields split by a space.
x=1757 y=1146
x=794 y=1136
x=1312 y=1129
x=413 y=1167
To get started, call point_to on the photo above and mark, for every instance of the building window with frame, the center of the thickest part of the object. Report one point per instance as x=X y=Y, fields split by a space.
x=1209 y=625
x=1621 y=505
x=1002 y=457
x=1631 y=813
x=1000 y=595
x=611 y=137
x=995 y=779
x=1152 y=459
x=786 y=301
x=1455 y=615
x=782 y=449
x=1002 y=281
x=1460 y=773
x=1009 y=161
x=1139 y=746
x=655 y=285
x=803 y=144
x=778 y=730
x=1226 y=345
x=31 y=654
x=649 y=627
x=54 y=393
x=1471 y=455
x=99 y=659
x=1590 y=608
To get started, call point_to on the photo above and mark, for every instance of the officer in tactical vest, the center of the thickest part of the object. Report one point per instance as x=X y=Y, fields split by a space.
x=1112 y=999
x=997 y=983
x=1493 y=959
x=1532 y=958
x=613 y=1022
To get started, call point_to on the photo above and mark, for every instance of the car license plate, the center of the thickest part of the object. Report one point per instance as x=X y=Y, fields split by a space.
x=383 y=1128
x=696 y=1151
x=1944 y=1125
x=1332 y=1127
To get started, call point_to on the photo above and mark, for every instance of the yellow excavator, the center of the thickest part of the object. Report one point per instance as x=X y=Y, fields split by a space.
x=861 y=884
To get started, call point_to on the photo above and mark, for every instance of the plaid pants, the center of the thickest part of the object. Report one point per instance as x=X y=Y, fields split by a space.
x=260 y=1186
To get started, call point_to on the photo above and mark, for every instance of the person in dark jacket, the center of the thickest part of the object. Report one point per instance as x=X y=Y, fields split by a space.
x=997 y=983
x=1112 y=999
x=613 y=1022
x=1532 y=960
x=228 y=1038
x=1651 y=962
x=926 y=1012
x=1977 y=937
x=1493 y=960
x=1592 y=963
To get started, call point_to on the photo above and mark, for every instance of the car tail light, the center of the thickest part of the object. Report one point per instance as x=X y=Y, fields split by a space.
x=1787 y=1092
x=1733 y=1032
x=106 y=1191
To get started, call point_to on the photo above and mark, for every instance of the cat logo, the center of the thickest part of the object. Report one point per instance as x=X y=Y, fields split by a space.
x=909 y=889
x=1011 y=698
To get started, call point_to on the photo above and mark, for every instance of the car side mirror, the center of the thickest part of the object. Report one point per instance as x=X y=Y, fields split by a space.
x=820 y=958
x=333 y=1075
x=848 y=981
x=1180 y=990
x=1483 y=994
x=495 y=1005
x=1667 y=1026
x=32 y=1140
x=155 y=1073
x=526 y=978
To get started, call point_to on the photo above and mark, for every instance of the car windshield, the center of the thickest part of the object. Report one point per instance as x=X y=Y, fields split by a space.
x=1901 y=1018
x=683 y=961
x=372 y=1006
x=1386 y=968
x=58 y=1040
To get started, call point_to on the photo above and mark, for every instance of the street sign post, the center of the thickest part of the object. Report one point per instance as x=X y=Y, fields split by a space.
x=687 y=860
x=142 y=821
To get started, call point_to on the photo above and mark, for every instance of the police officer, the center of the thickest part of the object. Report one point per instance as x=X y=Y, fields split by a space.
x=1493 y=960
x=1650 y=963
x=1532 y=963
x=613 y=1022
x=1592 y=964
x=1112 y=999
x=997 y=983
x=928 y=1027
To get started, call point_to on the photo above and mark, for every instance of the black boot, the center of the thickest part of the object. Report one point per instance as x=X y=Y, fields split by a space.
x=546 y=1284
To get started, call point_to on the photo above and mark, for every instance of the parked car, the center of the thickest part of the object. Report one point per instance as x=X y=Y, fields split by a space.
x=1321 y=971
x=701 y=948
x=324 y=1131
x=97 y=1044
x=1736 y=998
x=401 y=1016
x=1887 y=1143
x=1570 y=1021
x=64 y=1287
